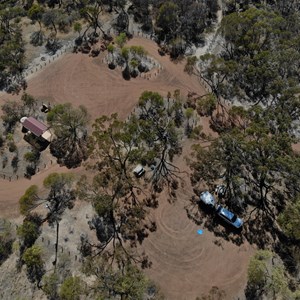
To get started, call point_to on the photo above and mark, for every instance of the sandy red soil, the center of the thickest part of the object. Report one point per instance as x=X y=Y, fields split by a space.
x=80 y=79
x=185 y=264
x=10 y=192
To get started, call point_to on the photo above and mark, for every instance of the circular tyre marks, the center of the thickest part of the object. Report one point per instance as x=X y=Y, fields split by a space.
x=186 y=264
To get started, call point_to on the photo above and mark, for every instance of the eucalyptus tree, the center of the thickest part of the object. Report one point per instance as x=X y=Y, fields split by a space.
x=70 y=128
x=257 y=61
x=158 y=122
x=267 y=277
x=255 y=160
x=35 y=13
x=12 y=51
x=120 y=201
x=91 y=12
x=12 y=111
x=181 y=24
x=58 y=195
x=124 y=281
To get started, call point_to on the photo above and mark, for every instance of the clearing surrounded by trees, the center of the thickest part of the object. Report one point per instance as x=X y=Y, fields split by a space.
x=194 y=95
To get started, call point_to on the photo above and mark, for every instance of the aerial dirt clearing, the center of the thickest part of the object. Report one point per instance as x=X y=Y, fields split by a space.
x=184 y=264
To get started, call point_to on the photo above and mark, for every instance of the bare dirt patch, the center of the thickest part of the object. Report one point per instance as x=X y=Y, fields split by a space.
x=80 y=79
x=185 y=264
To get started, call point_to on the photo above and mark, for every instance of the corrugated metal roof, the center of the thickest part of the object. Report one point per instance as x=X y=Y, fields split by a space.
x=35 y=126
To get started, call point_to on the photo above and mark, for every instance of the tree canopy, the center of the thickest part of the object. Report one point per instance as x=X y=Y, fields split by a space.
x=32 y=258
x=122 y=201
x=60 y=196
x=119 y=200
x=266 y=277
x=12 y=52
x=70 y=127
x=289 y=219
x=71 y=288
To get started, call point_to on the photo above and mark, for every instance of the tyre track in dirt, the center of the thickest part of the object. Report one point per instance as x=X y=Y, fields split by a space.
x=184 y=264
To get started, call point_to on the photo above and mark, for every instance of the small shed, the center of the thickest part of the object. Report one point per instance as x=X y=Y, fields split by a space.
x=36 y=127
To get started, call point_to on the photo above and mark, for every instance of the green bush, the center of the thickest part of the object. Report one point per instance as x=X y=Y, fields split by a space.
x=2 y=141
x=206 y=105
x=32 y=258
x=71 y=288
x=32 y=156
x=121 y=39
x=15 y=163
x=7 y=237
x=12 y=147
x=10 y=137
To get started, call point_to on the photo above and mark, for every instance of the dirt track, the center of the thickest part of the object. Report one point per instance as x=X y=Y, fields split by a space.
x=185 y=264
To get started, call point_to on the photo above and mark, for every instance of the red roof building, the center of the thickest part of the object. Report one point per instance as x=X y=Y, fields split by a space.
x=34 y=126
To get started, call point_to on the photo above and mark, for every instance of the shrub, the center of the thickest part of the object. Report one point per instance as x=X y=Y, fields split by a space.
x=15 y=163
x=32 y=258
x=2 y=141
x=10 y=137
x=6 y=239
x=206 y=105
x=71 y=288
x=28 y=232
x=121 y=39
x=32 y=157
x=12 y=147
x=4 y=161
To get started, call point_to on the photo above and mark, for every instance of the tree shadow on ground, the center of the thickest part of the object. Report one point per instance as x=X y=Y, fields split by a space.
x=38 y=144
x=288 y=250
x=224 y=230
x=198 y=212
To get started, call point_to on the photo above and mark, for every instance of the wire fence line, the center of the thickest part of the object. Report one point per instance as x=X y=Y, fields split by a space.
x=41 y=63
x=204 y=84
x=10 y=176
x=45 y=59
x=74 y=255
